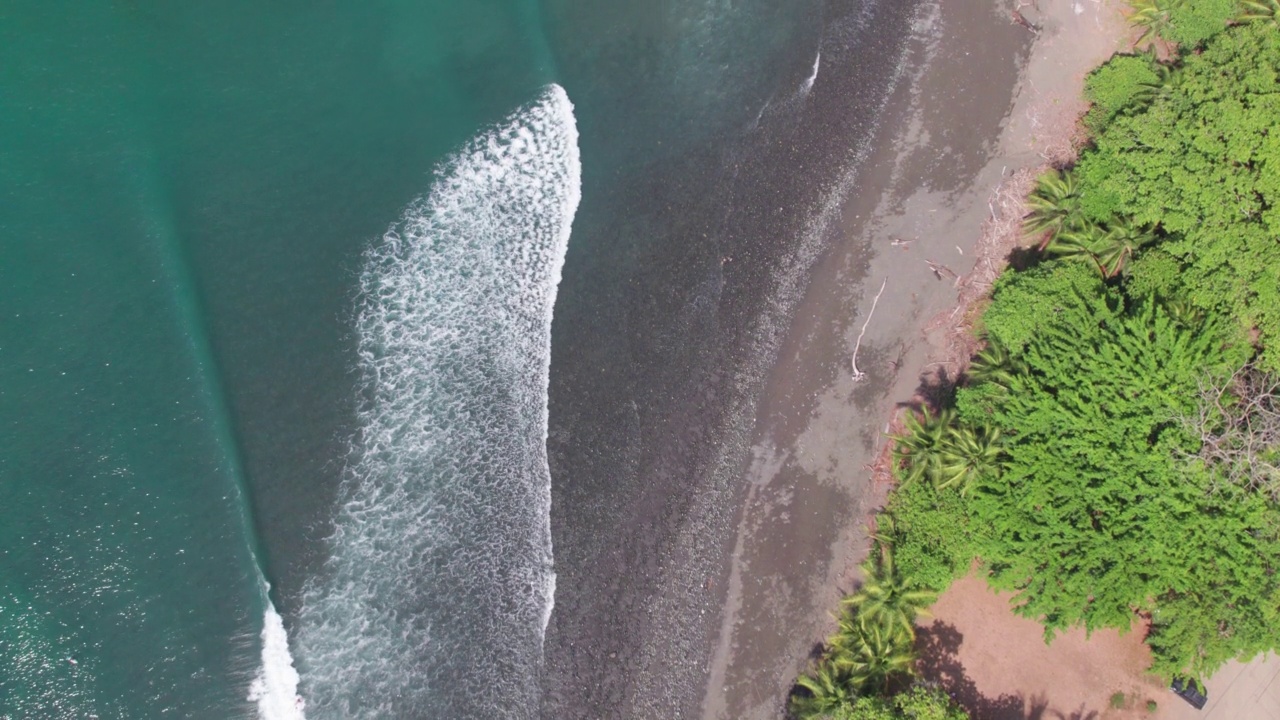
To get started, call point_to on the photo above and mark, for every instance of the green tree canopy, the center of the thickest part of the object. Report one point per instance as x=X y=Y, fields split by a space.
x=1094 y=517
x=1201 y=162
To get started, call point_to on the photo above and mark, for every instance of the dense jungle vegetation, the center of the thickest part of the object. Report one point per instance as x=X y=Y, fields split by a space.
x=1113 y=454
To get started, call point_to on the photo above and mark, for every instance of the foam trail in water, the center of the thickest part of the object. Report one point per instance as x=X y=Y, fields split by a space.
x=807 y=85
x=438 y=588
x=275 y=689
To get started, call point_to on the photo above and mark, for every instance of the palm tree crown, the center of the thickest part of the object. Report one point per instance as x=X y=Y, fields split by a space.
x=1055 y=205
x=945 y=452
x=829 y=690
x=995 y=364
x=1110 y=246
x=919 y=451
x=1154 y=17
x=888 y=598
x=969 y=454
x=877 y=655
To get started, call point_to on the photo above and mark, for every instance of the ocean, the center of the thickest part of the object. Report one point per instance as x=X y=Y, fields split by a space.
x=370 y=359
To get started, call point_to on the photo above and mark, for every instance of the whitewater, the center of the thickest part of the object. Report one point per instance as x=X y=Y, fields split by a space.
x=439 y=581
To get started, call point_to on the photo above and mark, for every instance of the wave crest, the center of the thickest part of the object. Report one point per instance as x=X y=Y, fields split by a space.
x=436 y=594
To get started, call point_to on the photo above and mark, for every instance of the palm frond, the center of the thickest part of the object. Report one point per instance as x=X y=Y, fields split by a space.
x=1258 y=11
x=915 y=452
x=994 y=364
x=1154 y=16
x=1054 y=204
x=969 y=454
x=887 y=597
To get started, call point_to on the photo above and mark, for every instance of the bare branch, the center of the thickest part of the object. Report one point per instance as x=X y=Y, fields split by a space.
x=939 y=270
x=1237 y=421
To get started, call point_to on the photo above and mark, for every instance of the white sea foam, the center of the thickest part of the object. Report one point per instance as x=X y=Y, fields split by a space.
x=275 y=689
x=439 y=584
x=807 y=85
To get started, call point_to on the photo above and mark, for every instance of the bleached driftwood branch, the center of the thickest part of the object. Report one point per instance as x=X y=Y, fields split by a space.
x=858 y=374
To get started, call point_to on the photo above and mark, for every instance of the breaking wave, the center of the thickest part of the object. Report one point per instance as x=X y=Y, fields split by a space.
x=439 y=584
x=807 y=85
x=275 y=689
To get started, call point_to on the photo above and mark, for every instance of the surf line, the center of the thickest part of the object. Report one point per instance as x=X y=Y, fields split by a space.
x=439 y=582
x=807 y=85
x=274 y=689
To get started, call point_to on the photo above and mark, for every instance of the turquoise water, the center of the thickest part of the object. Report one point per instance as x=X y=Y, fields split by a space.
x=277 y=290
x=128 y=584
x=187 y=195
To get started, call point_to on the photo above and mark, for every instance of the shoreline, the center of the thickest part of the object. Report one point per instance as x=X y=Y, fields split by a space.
x=675 y=297
x=988 y=103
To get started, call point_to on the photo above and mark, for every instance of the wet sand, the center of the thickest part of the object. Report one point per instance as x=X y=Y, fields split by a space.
x=679 y=286
x=986 y=97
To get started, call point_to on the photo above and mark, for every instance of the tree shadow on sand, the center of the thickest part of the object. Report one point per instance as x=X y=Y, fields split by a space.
x=937 y=647
x=936 y=389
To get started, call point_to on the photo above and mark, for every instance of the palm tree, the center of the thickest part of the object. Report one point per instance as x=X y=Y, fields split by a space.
x=1114 y=248
x=1184 y=313
x=1154 y=16
x=994 y=364
x=1055 y=205
x=1110 y=246
x=879 y=654
x=1074 y=241
x=1259 y=11
x=1148 y=93
x=968 y=453
x=918 y=451
x=887 y=599
x=1166 y=81
x=829 y=690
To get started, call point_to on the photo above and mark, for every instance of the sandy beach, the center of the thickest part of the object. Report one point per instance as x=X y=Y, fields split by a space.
x=985 y=97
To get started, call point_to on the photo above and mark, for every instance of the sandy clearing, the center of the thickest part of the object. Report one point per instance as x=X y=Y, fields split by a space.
x=998 y=666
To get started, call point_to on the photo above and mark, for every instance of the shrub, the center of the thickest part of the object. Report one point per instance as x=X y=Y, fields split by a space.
x=917 y=703
x=933 y=540
x=1026 y=303
x=1120 y=85
x=1192 y=22
x=1154 y=272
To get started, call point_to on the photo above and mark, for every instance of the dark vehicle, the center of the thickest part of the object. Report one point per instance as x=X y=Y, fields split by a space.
x=1190 y=690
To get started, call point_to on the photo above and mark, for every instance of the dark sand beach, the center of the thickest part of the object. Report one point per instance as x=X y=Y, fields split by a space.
x=987 y=97
x=709 y=447
x=678 y=289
